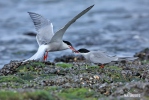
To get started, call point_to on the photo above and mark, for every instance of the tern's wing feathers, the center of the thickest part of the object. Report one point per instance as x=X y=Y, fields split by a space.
x=101 y=57
x=44 y=28
x=127 y=58
x=59 y=34
x=39 y=54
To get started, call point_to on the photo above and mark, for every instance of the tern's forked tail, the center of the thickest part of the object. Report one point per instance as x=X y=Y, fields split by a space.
x=39 y=54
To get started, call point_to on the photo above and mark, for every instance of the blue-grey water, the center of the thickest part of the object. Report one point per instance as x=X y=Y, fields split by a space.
x=120 y=27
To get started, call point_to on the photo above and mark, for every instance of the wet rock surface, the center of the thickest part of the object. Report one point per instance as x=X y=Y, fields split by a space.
x=143 y=55
x=69 y=58
x=116 y=80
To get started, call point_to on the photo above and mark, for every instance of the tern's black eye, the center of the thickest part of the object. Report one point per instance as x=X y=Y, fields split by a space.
x=67 y=42
x=83 y=50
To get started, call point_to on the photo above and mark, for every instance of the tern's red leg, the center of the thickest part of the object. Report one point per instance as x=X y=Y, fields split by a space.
x=45 y=56
x=102 y=66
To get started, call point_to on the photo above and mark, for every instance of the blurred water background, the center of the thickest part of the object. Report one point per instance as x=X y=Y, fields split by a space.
x=120 y=27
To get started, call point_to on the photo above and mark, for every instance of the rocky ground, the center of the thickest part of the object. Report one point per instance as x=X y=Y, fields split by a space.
x=69 y=78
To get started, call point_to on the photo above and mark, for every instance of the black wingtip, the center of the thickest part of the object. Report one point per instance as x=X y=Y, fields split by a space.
x=92 y=6
x=31 y=12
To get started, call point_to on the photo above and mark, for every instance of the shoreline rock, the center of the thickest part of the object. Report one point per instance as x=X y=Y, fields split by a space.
x=116 y=80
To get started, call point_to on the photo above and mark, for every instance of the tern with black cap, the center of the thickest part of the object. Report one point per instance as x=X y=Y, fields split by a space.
x=47 y=40
x=100 y=57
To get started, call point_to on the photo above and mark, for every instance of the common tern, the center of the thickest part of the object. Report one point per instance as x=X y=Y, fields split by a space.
x=47 y=40
x=100 y=57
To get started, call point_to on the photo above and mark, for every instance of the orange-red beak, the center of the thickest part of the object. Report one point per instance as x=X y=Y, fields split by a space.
x=73 y=49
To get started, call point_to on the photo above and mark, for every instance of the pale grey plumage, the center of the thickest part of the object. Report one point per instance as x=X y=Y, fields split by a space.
x=99 y=57
x=127 y=58
x=61 y=32
x=44 y=28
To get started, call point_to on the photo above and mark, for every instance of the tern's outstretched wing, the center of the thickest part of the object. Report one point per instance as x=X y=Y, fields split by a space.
x=39 y=54
x=59 y=34
x=44 y=28
x=101 y=57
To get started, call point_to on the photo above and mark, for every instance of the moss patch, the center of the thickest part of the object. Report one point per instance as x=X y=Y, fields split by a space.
x=64 y=94
x=114 y=68
x=37 y=95
x=35 y=66
x=64 y=65
x=11 y=78
x=77 y=94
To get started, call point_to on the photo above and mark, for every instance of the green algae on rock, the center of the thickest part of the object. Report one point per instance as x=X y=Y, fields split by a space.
x=11 y=78
x=64 y=65
x=37 y=95
x=74 y=78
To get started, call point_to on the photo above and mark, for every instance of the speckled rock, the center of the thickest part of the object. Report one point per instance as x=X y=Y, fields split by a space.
x=117 y=79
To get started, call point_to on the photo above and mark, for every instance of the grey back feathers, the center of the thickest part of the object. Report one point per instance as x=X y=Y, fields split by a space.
x=97 y=56
x=101 y=57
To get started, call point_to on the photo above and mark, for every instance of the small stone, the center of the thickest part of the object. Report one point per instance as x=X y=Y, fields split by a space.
x=96 y=77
